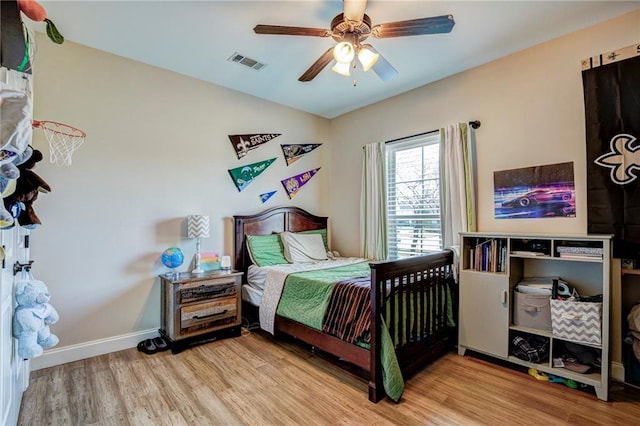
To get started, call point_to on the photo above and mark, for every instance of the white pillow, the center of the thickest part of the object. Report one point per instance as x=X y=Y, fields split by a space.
x=299 y=248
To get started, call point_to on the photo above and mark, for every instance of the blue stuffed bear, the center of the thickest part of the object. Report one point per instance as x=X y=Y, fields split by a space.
x=32 y=317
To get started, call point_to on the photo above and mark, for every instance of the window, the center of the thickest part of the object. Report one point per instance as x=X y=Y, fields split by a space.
x=413 y=195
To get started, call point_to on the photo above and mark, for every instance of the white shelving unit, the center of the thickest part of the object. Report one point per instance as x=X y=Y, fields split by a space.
x=487 y=282
x=14 y=371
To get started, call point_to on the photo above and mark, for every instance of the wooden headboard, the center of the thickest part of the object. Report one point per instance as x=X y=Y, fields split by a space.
x=274 y=220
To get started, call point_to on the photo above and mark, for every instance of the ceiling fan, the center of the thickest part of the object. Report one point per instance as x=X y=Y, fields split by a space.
x=350 y=29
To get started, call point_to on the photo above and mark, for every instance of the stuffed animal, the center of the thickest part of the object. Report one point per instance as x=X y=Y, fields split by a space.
x=32 y=317
x=28 y=185
x=9 y=172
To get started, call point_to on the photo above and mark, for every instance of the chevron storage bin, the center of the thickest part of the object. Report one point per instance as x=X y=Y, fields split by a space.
x=577 y=321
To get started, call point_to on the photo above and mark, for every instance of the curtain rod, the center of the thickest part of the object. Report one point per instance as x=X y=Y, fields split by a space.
x=475 y=124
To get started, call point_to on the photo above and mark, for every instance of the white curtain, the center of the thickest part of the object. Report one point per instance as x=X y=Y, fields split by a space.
x=458 y=183
x=373 y=203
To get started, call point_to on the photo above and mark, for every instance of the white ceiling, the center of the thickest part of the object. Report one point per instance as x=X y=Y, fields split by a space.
x=195 y=38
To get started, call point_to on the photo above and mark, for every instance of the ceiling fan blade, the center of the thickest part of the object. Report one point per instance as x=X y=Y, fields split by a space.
x=383 y=68
x=298 y=31
x=433 y=25
x=354 y=9
x=317 y=66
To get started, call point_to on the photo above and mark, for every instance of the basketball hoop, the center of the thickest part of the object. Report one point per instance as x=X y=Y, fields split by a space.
x=63 y=140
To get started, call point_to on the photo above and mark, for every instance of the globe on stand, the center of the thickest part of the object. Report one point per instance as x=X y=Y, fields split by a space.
x=172 y=258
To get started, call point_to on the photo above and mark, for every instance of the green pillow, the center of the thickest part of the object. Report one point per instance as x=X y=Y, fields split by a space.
x=322 y=231
x=266 y=250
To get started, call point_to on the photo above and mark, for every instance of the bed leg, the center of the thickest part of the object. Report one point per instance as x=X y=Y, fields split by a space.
x=375 y=394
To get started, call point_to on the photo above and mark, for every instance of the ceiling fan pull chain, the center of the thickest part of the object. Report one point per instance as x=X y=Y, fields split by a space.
x=355 y=66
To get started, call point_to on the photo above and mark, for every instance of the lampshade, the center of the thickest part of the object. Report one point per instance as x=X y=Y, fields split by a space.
x=198 y=226
x=344 y=52
x=354 y=9
x=342 y=68
x=367 y=56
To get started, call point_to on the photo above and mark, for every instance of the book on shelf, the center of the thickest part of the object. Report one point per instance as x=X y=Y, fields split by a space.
x=527 y=253
x=580 y=256
x=488 y=255
x=580 y=250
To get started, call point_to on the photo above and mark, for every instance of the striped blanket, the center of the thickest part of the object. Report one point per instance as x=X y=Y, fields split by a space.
x=348 y=314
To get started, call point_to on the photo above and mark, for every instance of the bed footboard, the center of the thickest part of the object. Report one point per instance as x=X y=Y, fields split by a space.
x=416 y=300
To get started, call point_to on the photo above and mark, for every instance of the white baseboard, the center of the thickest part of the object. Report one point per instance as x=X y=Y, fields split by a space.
x=617 y=371
x=62 y=355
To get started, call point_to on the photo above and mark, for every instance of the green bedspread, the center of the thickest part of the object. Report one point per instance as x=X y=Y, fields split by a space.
x=305 y=298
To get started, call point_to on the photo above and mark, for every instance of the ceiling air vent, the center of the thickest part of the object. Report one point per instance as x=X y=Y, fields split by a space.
x=248 y=62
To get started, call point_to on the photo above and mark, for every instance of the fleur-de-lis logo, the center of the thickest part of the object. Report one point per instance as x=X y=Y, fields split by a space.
x=243 y=147
x=623 y=159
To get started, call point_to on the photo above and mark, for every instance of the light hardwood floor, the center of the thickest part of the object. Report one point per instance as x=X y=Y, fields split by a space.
x=256 y=380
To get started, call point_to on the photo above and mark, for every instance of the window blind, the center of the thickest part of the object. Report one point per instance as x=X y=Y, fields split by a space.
x=413 y=195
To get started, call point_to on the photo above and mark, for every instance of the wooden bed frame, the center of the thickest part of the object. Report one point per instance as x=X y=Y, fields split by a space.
x=426 y=275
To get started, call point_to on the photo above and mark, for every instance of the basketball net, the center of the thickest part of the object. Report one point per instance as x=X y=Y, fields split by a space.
x=63 y=140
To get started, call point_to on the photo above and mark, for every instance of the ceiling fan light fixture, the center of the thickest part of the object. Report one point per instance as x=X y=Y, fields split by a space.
x=344 y=52
x=354 y=9
x=342 y=68
x=367 y=56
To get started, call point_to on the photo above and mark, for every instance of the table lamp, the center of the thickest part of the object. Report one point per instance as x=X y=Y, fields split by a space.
x=198 y=227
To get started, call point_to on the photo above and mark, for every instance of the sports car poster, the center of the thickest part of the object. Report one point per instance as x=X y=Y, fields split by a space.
x=535 y=192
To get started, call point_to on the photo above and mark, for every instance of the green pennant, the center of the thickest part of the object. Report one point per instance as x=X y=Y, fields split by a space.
x=244 y=175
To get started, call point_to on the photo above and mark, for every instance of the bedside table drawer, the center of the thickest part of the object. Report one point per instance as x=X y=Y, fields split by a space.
x=206 y=290
x=199 y=307
x=208 y=315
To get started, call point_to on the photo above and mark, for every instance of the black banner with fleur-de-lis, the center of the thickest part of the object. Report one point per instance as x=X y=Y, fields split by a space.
x=612 y=119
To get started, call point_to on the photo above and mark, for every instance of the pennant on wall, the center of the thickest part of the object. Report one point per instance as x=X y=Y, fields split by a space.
x=245 y=143
x=293 y=184
x=612 y=102
x=292 y=153
x=265 y=196
x=243 y=176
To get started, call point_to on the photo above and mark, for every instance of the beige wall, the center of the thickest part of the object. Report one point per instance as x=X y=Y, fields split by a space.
x=532 y=113
x=157 y=150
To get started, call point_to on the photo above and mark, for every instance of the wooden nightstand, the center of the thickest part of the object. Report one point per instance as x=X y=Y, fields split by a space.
x=199 y=308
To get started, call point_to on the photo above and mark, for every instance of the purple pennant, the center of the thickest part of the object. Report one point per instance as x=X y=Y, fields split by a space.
x=293 y=184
